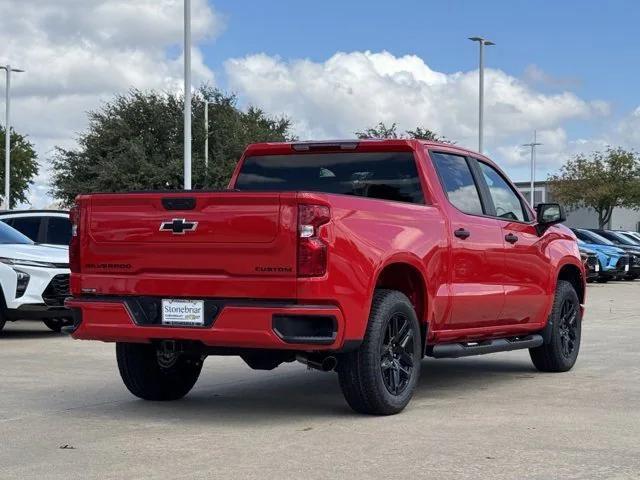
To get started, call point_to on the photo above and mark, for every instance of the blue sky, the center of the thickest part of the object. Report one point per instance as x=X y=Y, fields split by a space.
x=590 y=47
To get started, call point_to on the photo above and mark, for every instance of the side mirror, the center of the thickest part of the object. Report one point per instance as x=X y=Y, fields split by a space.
x=549 y=214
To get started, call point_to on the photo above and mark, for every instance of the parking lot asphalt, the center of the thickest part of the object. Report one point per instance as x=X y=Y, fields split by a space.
x=64 y=413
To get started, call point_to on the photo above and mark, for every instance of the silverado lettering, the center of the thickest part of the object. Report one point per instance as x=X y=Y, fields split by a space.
x=378 y=253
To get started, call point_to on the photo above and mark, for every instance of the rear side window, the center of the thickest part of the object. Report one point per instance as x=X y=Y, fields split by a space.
x=382 y=175
x=505 y=200
x=58 y=231
x=458 y=182
x=29 y=226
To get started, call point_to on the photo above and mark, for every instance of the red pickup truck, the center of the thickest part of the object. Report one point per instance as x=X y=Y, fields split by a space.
x=355 y=256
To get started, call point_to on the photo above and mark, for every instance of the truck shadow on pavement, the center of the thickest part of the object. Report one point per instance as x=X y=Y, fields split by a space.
x=9 y=334
x=294 y=395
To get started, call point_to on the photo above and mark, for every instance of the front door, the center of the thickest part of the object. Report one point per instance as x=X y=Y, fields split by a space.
x=526 y=266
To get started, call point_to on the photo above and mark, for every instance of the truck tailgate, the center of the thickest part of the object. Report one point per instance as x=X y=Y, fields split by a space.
x=214 y=243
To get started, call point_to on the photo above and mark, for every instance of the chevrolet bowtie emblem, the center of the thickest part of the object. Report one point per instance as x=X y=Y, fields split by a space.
x=178 y=226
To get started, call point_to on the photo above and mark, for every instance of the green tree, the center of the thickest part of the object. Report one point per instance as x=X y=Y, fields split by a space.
x=24 y=166
x=602 y=181
x=381 y=130
x=135 y=142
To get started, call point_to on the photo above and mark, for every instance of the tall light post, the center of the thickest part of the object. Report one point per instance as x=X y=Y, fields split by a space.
x=482 y=42
x=187 y=94
x=7 y=136
x=206 y=136
x=533 y=146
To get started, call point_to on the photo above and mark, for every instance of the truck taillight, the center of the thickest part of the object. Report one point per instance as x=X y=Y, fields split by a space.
x=74 y=244
x=312 y=250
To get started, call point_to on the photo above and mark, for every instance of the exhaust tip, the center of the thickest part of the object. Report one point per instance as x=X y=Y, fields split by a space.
x=329 y=364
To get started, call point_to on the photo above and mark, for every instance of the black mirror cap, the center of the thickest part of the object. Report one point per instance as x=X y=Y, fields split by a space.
x=549 y=214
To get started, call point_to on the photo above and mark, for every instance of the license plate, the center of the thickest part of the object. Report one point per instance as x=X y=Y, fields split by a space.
x=188 y=313
x=626 y=267
x=597 y=267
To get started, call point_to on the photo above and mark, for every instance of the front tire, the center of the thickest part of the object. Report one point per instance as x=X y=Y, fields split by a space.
x=153 y=376
x=380 y=377
x=561 y=353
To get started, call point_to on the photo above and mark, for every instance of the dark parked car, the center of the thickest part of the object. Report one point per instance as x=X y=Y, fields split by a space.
x=591 y=263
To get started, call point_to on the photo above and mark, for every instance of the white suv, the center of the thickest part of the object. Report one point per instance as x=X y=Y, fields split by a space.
x=34 y=280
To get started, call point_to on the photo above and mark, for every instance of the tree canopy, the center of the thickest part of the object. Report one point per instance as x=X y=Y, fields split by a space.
x=603 y=180
x=135 y=142
x=381 y=130
x=24 y=166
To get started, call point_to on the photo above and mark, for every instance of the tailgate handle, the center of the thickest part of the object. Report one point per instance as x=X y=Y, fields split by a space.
x=179 y=203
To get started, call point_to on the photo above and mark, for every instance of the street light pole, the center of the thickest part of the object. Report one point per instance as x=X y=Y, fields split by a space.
x=187 y=94
x=533 y=146
x=206 y=136
x=482 y=42
x=7 y=136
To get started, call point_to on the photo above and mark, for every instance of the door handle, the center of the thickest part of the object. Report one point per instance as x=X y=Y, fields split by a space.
x=462 y=233
x=511 y=238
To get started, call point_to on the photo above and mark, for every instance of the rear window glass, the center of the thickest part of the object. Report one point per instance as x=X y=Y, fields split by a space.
x=382 y=175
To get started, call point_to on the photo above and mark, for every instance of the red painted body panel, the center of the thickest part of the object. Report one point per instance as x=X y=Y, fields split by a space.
x=245 y=248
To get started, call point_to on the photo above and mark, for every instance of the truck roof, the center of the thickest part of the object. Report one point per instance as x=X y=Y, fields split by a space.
x=368 y=144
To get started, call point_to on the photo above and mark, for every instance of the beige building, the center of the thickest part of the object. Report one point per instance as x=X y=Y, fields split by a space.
x=621 y=218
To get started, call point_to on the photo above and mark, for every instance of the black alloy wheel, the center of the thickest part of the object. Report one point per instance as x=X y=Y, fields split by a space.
x=396 y=355
x=568 y=327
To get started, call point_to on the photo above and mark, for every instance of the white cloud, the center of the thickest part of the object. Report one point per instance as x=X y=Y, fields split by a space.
x=351 y=91
x=78 y=53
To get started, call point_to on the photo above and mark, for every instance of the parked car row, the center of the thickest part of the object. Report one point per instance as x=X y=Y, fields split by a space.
x=617 y=254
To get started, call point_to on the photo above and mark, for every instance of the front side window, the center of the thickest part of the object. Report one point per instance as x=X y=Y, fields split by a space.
x=505 y=200
x=9 y=236
x=29 y=226
x=458 y=182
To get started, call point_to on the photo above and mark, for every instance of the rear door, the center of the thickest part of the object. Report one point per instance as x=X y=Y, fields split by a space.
x=57 y=230
x=527 y=268
x=477 y=255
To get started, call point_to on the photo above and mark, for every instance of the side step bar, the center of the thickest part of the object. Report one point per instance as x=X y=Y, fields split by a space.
x=467 y=349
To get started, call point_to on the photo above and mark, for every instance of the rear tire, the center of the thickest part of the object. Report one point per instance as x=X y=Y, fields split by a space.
x=380 y=377
x=152 y=377
x=3 y=321
x=561 y=353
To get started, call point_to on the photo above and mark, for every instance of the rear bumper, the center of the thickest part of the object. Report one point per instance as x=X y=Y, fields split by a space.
x=235 y=324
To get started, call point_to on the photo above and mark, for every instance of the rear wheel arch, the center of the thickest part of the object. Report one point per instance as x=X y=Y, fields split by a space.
x=408 y=279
